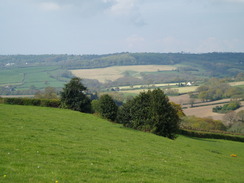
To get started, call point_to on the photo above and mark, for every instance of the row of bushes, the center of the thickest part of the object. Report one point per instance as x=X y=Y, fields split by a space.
x=201 y=134
x=227 y=107
x=34 y=102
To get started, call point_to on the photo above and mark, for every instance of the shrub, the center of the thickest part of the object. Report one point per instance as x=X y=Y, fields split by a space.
x=107 y=107
x=211 y=135
x=233 y=105
x=197 y=123
x=33 y=102
x=150 y=111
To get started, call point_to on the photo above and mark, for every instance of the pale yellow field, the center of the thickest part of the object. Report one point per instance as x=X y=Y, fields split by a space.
x=113 y=73
x=180 y=89
x=236 y=83
x=206 y=111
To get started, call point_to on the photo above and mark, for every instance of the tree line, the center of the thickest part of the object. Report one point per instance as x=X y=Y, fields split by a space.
x=149 y=111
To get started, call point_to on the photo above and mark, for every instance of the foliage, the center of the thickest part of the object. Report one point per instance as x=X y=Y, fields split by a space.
x=179 y=109
x=197 y=123
x=73 y=96
x=240 y=116
x=95 y=106
x=34 y=102
x=214 y=89
x=150 y=111
x=106 y=107
x=211 y=135
x=48 y=93
x=233 y=105
x=229 y=118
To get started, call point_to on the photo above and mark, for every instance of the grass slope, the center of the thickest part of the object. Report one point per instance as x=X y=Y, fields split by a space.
x=47 y=145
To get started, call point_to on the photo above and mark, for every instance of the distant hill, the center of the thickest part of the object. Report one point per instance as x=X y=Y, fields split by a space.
x=210 y=60
x=31 y=72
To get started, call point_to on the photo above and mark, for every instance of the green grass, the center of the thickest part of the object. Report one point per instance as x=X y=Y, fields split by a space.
x=41 y=144
x=24 y=78
x=8 y=77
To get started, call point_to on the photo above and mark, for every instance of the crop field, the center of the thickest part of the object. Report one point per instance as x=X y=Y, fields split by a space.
x=238 y=83
x=206 y=111
x=180 y=89
x=67 y=147
x=113 y=73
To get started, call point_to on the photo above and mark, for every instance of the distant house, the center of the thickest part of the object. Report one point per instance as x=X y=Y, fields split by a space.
x=188 y=84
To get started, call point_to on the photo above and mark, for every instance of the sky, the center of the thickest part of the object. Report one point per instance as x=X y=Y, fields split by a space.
x=113 y=26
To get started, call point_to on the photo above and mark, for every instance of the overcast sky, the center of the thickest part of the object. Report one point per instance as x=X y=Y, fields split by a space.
x=108 y=26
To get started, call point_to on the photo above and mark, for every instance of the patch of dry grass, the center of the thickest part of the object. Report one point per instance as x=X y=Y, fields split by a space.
x=113 y=73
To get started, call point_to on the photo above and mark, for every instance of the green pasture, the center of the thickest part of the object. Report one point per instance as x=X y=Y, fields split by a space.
x=25 y=78
x=9 y=77
x=41 y=144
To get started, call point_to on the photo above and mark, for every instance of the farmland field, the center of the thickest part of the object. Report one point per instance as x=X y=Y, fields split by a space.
x=67 y=147
x=24 y=78
x=115 y=72
x=180 y=89
x=206 y=111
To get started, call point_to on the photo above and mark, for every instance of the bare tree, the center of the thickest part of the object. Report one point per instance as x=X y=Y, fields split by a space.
x=240 y=116
x=230 y=118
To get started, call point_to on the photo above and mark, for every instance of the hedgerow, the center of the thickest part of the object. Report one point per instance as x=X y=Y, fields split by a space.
x=34 y=102
x=211 y=135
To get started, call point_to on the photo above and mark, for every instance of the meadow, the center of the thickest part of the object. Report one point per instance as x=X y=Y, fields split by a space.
x=29 y=77
x=115 y=72
x=41 y=144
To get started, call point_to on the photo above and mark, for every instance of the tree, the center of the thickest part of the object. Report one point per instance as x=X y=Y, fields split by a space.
x=150 y=111
x=48 y=93
x=73 y=96
x=107 y=107
x=230 y=118
x=240 y=116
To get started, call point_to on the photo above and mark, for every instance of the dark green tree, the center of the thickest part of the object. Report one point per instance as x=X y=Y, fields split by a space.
x=150 y=111
x=107 y=107
x=73 y=96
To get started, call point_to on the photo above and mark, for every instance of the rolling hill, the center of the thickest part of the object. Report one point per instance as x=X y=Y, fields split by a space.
x=41 y=144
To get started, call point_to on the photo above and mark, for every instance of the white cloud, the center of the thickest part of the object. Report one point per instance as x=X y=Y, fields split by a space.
x=122 y=7
x=49 y=6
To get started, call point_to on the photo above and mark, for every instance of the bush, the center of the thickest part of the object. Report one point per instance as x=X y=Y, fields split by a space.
x=33 y=102
x=233 y=105
x=150 y=111
x=197 y=123
x=107 y=108
x=210 y=135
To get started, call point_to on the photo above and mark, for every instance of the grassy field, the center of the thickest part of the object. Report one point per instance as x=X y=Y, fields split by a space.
x=136 y=89
x=24 y=78
x=113 y=73
x=180 y=90
x=66 y=146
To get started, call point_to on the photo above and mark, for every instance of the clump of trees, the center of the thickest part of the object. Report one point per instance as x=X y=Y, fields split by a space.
x=74 y=96
x=234 y=121
x=216 y=89
x=106 y=107
x=233 y=105
x=197 y=123
x=150 y=111
x=48 y=93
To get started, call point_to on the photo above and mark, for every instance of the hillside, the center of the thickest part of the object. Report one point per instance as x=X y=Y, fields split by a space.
x=41 y=144
x=25 y=74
